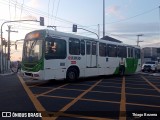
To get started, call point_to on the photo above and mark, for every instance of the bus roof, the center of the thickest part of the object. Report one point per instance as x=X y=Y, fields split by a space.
x=63 y=34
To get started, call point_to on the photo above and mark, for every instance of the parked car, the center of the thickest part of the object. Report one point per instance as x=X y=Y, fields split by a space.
x=151 y=66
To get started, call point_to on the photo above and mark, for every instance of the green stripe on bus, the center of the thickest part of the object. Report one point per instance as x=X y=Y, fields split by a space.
x=38 y=66
x=131 y=66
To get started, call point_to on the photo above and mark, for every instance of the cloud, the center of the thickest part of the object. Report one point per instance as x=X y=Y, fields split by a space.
x=29 y=17
x=114 y=11
x=127 y=32
x=135 y=27
x=33 y=3
x=155 y=44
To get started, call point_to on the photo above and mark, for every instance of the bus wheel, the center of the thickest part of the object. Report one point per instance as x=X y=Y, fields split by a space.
x=72 y=75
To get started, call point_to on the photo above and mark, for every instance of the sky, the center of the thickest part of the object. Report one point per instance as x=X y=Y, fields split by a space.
x=124 y=19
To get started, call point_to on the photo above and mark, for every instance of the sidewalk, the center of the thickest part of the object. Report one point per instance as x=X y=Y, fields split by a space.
x=6 y=73
x=9 y=72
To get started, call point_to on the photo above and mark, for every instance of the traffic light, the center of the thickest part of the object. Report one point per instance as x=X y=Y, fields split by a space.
x=41 y=21
x=74 y=29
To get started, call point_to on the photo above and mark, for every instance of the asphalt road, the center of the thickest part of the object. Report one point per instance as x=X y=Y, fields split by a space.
x=98 y=98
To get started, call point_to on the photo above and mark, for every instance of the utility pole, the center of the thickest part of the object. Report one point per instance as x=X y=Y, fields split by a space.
x=138 y=41
x=5 y=53
x=98 y=30
x=103 y=18
x=9 y=43
x=159 y=21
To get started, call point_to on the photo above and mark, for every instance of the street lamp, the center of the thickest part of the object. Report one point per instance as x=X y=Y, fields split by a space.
x=74 y=29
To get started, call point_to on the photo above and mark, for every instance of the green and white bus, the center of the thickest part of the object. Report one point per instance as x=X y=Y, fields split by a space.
x=49 y=54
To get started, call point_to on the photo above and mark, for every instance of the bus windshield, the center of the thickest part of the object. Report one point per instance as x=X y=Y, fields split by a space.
x=32 y=50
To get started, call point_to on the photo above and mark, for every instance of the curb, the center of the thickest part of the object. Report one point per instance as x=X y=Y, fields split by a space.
x=7 y=73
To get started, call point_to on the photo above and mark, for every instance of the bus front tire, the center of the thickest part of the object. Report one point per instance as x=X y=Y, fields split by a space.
x=72 y=75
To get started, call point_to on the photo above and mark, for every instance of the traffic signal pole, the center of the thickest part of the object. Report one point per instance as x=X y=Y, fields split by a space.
x=2 y=55
x=74 y=29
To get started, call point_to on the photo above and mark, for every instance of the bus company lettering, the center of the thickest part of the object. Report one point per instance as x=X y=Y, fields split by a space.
x=74 y=58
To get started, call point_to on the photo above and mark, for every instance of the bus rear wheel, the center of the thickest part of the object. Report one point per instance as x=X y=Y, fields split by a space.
x=72 y=75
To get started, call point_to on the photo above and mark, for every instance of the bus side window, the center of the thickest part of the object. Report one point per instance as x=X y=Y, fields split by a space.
x=52 y=48
x=122 y=51
x=74 y=46
x=129 y=52
x=112 y=50
x=137 y=53
x=94 y=48
x=82 y=47
x=102 y=49
x=55 y=48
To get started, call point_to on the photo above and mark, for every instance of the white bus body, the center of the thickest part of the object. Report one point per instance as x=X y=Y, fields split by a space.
x=77 y=56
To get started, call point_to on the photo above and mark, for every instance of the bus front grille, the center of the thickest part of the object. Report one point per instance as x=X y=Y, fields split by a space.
x=29 y=74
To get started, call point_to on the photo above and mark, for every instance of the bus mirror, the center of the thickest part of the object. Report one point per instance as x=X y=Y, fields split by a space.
x=74 y=29
x=41 y=21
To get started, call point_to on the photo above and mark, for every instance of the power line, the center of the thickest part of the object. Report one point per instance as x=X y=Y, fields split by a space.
x=48 y=10
x=38 y=12
x=31 y=10
x=56 y=11
x=15 y=9
x=21 y=9
x=12 y=5
x=145 y=12
x=35 y=10
x=148 y=11
x=52 y=11
x=9 y=10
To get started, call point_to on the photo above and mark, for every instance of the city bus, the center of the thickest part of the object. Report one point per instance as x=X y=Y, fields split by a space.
x=49 y=54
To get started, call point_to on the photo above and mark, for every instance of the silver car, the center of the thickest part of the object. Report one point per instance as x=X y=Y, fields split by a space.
x=151 y=66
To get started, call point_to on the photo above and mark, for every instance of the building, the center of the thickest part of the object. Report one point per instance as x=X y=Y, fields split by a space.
x=111 y=39
x=150 y=54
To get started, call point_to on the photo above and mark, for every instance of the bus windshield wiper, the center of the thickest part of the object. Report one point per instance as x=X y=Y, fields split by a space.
x=32 y=46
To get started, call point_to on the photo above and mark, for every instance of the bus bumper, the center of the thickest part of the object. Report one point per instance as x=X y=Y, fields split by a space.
x=34 y=75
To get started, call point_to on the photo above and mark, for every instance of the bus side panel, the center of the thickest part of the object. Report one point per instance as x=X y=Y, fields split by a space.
x=78 y=61
x=113 y=63
x=103 y=65
x=55 y=69
x=91 y=72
